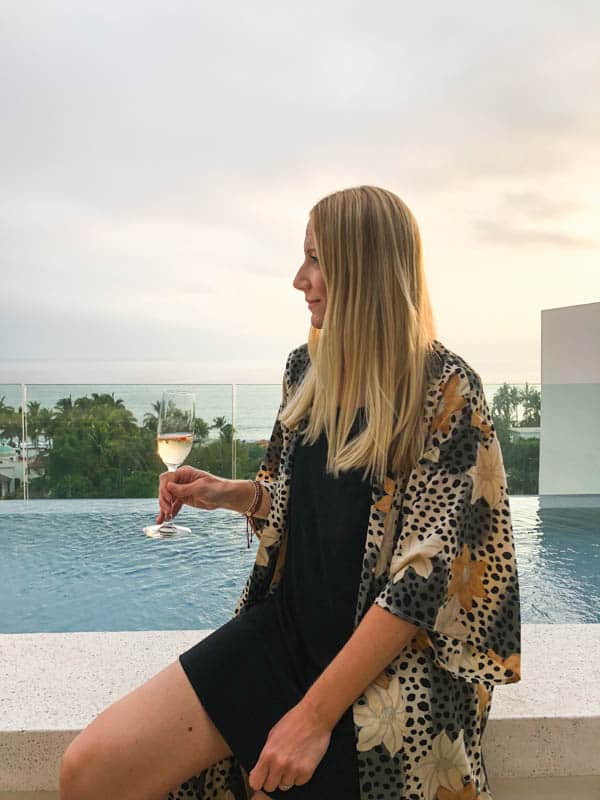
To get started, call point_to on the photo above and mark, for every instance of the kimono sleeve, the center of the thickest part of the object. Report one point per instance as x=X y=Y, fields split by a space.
x=268 y=470
x=453 y=570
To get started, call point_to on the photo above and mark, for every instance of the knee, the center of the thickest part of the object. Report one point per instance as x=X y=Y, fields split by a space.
x=74 y=783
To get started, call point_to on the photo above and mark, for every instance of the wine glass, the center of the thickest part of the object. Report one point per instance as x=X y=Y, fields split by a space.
x=175 y=437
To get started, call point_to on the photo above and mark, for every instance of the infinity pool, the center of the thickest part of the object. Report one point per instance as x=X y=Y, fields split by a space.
x=85 y=565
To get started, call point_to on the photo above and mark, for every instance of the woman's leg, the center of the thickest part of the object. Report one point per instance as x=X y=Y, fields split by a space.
x=143 y=745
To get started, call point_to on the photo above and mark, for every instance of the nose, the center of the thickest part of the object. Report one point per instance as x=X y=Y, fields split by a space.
x=300 y=282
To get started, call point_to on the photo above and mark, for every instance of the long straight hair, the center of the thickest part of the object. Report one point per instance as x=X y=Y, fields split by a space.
x=377 y=334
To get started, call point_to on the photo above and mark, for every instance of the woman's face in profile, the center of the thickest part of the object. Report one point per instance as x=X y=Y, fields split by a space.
x=309 y=280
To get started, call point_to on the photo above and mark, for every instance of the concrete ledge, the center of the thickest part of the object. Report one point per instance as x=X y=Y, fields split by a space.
x=53 y=684
x=573 y=788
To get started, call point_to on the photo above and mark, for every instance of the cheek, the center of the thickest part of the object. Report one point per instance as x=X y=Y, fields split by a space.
x=320 y=283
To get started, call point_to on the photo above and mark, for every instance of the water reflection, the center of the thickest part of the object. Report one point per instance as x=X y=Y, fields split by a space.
x=558 y=559
x=84 y=565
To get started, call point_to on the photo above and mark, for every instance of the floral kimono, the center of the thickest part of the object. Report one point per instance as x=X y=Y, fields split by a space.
x=439 y=553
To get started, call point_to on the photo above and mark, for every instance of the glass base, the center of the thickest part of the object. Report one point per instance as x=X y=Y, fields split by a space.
x=167 y=530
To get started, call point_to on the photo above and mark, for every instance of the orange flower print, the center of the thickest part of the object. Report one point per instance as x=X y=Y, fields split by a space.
x=451 y=403
x=466 y=581
x=384 y=503
x=483 y=696
x=477 y=422
x=421 y=640
x=466 y=793
x=512 y=662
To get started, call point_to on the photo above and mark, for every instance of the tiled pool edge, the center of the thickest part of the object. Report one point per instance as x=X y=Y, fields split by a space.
x=53 y=684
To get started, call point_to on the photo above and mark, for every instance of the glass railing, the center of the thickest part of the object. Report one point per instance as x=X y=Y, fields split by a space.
x=99 y=440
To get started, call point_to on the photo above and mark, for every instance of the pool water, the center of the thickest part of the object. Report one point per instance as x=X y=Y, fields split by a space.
x=86 y=565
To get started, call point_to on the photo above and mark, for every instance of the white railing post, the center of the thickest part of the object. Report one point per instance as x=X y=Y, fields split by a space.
x=25 y=461
x=233 y=436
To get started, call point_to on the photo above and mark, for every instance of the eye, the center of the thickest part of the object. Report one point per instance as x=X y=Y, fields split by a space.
x=314 y=258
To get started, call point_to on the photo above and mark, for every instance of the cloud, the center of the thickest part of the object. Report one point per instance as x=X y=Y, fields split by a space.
x=538 y=206
x=159 y=163
x=505 y=233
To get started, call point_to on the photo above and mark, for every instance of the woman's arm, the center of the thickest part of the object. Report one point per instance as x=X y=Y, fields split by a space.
x=238 y=494
x=377 y=640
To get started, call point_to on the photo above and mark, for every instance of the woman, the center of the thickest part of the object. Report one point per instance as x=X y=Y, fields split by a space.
x=383 y=604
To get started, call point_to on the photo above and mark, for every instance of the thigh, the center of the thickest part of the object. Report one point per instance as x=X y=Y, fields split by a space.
x=146 y=743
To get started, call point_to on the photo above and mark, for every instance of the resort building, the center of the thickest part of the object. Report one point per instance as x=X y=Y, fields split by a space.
x=570 y=412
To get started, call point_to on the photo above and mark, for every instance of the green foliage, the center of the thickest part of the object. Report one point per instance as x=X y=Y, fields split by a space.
x=512 y=407
x=509 y=401
x=522 y=464
x=95 y=448
x=10 y=423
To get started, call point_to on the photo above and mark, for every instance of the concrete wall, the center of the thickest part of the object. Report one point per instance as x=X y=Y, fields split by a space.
x=52 y=685
x=570 y=410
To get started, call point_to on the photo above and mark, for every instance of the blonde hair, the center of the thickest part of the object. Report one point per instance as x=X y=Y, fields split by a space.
x=376 y=336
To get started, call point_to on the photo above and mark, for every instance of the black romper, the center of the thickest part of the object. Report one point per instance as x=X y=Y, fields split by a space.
x=253 y=669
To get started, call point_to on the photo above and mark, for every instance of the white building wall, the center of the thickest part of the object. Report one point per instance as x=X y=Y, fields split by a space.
x=570 y=407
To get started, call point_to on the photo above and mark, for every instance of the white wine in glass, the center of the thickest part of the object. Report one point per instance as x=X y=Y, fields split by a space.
x=174 y=448
x=174 y=437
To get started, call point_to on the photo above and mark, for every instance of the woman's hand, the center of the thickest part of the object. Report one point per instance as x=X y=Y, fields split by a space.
x=189 y=486
x=293 y=750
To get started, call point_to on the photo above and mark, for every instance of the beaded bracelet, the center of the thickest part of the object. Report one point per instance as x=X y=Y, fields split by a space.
x=252 y=508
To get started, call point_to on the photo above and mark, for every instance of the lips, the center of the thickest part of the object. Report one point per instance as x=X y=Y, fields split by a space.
x=312 y=302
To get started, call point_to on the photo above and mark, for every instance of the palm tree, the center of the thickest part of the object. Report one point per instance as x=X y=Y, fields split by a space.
x=33 y=421
x=64 y=405
x=515 y=399
x=47 y=424
x=150 y=421
x=6 y=418
x=200 y=430
x=107 y=399
x=502 y=403
x=531 y=400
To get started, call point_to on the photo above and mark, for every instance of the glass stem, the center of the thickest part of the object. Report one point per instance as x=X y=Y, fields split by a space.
x=171 y=468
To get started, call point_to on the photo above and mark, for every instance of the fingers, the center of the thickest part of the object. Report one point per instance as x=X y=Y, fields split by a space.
x=169 y=510
x=174 y=489
x=169 y=505
x=181 y=489
x=184 y=485
x=165 y=500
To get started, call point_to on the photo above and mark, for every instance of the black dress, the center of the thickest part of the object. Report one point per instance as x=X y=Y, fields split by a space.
x=253 y=669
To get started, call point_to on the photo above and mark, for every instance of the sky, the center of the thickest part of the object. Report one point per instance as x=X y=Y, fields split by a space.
x=159 y=160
